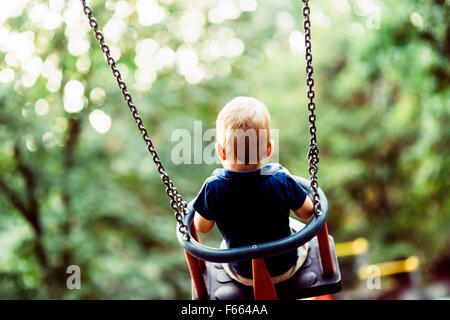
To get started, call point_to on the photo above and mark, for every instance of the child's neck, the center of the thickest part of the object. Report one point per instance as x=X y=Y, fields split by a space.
x=241 y=166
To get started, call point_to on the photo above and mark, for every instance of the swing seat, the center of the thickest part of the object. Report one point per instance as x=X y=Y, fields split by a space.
x=319 y=274
x=308 y=281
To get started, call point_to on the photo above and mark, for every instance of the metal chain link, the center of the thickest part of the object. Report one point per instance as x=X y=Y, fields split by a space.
x=176 y=201
x=313 y=152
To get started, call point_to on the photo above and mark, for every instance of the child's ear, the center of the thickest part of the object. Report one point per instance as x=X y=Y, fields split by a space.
x=270 y=148
x=220 y=152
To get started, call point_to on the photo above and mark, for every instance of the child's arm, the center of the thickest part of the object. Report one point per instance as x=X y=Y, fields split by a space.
x=306 y=210
x=201 y=224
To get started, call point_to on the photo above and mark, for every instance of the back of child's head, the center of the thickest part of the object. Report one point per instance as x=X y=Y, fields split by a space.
x=243 y=130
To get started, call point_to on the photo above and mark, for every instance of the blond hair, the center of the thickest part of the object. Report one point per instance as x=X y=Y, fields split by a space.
x=243 y=130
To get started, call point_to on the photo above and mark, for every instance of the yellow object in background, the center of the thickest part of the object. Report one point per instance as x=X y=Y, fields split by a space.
x=352 y=248
x=391 y=267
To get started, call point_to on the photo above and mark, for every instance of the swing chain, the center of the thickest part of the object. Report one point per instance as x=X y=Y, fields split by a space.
x=176 y=201
x=313 y=152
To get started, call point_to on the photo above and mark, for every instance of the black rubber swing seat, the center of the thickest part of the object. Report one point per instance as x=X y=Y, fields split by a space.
x=308 y=281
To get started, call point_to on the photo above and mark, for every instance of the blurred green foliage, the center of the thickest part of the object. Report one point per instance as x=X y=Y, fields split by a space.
x=71 y=195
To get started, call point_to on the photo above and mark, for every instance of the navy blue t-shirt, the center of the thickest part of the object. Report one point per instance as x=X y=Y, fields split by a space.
x=252 y=207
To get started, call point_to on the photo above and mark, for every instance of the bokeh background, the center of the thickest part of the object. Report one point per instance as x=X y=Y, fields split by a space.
x=77 y=185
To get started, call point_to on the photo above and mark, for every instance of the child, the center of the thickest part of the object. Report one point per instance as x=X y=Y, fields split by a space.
x=250 y=203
